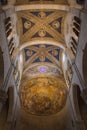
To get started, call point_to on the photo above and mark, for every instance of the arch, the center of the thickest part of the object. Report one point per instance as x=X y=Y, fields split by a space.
x=85 y=63
x=42 y=6
x=1 y=68
x=36 y=42
x=77 y=106
x=55 y=43
x=75 y=99
x=10 y=103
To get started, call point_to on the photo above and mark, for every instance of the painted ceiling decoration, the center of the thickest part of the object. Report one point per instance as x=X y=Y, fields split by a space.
x=42 y=54
x=65 y=2
x=41 y=70
x=43 y=96
x=43 y=89
x=39 y=25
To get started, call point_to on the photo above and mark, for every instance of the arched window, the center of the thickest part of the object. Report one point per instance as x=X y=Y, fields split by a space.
x=77 y=20
x=73 y=45
x=8 y=26
x=76 y=31
x=9 y=35
x=76 y=25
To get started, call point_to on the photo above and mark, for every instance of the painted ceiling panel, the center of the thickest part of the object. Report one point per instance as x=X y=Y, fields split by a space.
x=27 y=24
x=56 y=24
x=28 y=53
x=36 y=25
x=42 y=59
x=42 y=1
x=42 y=14
x=42 y=54
x=42 y=33
x=41 y=70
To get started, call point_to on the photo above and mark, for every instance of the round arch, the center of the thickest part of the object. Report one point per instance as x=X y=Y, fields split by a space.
x=49 y=42
x=78 y=107
x=75 y=99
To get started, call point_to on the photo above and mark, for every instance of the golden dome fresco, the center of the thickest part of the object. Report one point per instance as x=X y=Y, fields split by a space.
x=43 y=96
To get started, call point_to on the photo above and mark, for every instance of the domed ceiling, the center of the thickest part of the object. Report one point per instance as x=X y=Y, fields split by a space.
x=43 y=89
x=43 y=96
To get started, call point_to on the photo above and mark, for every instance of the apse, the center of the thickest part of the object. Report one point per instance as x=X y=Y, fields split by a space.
x=43 y=96
x=43 y=88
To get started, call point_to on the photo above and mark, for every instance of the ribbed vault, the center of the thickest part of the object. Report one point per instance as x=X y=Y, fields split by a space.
x=42 y=42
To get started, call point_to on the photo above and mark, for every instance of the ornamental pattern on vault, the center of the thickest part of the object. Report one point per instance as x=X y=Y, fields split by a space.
x=43 y=96
x=42 y=1
x=42 y=53
x=47 y=25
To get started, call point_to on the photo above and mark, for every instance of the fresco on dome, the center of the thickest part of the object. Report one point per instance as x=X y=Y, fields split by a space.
x=43 y=96
x=42 y=71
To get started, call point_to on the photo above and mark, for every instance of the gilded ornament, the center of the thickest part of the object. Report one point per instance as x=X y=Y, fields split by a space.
x=56 y=24
x=27 y=24
x=42 y=58
x=42 y=15
x=42 y=33
x=42 y=46
x=29 y=53
x=54 y=52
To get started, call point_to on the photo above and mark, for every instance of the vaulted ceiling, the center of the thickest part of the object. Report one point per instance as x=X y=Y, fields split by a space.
x=42 y=60
x=42 y=54
x=41 y=24
x=43 y=79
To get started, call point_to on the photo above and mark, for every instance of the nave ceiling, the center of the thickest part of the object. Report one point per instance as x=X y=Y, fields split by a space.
x=42 y=53
x=41 y=25
x=42 y=62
